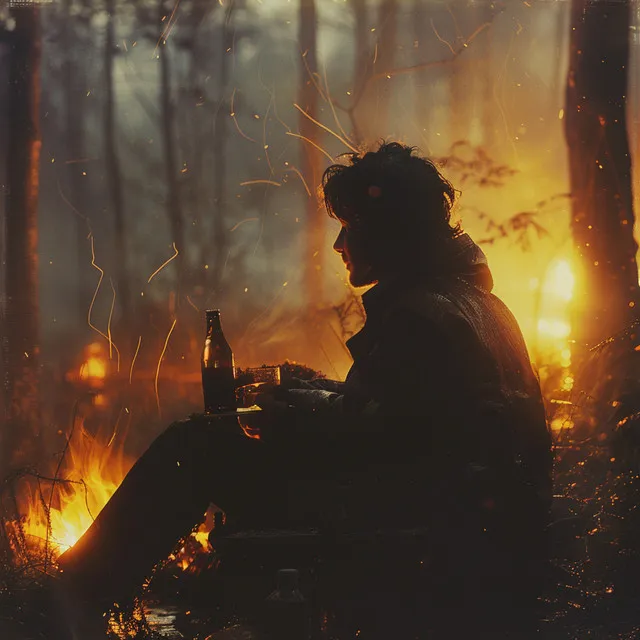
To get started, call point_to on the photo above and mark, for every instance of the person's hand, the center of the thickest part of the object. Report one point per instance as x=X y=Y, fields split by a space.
x=269 y=399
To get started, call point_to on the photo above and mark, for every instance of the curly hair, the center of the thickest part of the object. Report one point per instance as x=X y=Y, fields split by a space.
x=396 y=202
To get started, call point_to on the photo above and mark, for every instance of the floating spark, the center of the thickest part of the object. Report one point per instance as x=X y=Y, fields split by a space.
x=235 y=226
x=190 y=301
x=164 y=264
x=332 y=107
x=95 y=295
x=311 y=142
x=113 y=304
x=312 y=76
x=167 y=30
x=446 y=42
x=164 y=348
x=235 y=120
x=265 y=146
x=135 y=355
x=333 y=133
x=304 y=182
x=248 y=182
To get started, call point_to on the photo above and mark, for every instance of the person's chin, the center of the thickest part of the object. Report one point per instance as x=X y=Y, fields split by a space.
x=360 y=280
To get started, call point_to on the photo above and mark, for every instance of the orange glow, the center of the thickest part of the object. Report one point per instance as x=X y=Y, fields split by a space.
x=560 y=281
x=556 y=293
x=95 y=367
x=555 y=329
x=96 y=470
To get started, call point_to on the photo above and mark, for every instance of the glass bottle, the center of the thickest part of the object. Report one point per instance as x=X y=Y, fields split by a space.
x=218 y=368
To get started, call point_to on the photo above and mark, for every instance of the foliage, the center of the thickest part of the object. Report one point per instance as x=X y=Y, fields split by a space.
x=474 y=167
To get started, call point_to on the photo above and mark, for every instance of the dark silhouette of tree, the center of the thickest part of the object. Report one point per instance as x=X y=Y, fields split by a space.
x=362 y=53
x=373 y=109
x=220 y=159
x=600 y=169
x=75 y=26
x=20 y=331
x=170 y=153
x=384 y=59
x=310 y=158
x=114 y=173
x=194 y=105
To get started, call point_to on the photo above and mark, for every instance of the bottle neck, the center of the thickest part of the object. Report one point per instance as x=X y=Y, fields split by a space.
x=214 y=326
x=213 y=323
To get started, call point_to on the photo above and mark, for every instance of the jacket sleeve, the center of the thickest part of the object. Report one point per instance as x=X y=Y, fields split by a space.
x=322 y=384
x=410 y=374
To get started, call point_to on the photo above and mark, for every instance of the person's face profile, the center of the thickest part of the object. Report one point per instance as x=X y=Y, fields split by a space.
x=347 y=247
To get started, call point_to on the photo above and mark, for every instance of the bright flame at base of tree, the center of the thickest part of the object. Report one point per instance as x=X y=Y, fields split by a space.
x=552 y=333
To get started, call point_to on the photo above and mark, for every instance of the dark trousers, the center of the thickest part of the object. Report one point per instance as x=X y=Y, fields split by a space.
x=299 y=481
x=166 y=493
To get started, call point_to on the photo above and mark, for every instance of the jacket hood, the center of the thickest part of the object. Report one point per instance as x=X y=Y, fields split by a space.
x=469 y=262
x=461 y=257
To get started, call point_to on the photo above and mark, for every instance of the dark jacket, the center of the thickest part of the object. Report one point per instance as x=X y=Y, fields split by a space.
x=442 y=392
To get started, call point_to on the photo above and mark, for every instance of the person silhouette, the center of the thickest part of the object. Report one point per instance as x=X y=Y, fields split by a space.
x=439 y=423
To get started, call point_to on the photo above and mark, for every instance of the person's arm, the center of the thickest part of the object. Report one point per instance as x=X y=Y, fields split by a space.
x=410 y=375
x=321 y=384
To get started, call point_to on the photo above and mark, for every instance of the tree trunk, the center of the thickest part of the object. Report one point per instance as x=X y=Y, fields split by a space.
x=20 y=441
x=75 y=121
x=373 y=109
x=114 y=175
x=423 y=106
x=310 y=159
x=600 y=169
x=363 y=57
x=385 y=61
x=361 y=38
x=174 y=211
x=460 y=102
x=635 y=104
x=220 y=240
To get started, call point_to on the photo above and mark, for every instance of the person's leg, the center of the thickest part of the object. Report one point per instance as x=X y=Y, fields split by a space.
x=162 y=498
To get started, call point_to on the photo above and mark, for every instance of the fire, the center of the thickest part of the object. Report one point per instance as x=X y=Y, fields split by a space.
x=553 y=332
x=96 y=469
x=556 y=292
x=95 y=367
x=60 y=510
x=560 y=281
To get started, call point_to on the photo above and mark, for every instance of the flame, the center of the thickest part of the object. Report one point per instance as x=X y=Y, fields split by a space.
x=95 y=472
x=560 y=281
x=554 y=328
x=94 y=369
x=556 y=293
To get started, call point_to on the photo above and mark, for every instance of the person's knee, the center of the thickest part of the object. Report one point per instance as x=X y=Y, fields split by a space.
x=179 y=436
x=196 y=436
x=178 y=429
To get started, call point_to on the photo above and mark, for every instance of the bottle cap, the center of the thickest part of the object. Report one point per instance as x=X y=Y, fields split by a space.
x=212 y=313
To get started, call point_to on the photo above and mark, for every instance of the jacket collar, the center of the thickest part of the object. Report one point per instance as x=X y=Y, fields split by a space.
x=461 y=258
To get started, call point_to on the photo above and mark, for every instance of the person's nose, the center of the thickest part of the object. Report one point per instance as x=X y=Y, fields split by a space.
x=338 y=245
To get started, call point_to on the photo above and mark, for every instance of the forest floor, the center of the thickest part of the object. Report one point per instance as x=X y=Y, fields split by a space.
x=595 y=590
x=595 y=594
